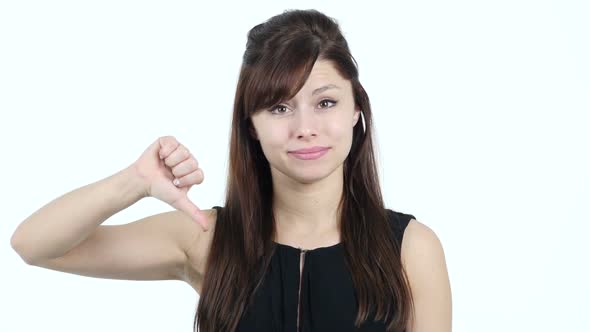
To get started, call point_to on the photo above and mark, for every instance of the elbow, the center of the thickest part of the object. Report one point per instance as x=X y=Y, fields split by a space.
x=19 y=247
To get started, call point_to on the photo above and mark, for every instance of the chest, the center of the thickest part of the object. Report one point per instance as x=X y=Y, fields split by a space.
x=305 y=291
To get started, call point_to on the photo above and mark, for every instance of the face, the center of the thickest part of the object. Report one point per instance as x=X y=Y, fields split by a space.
x=322 y=116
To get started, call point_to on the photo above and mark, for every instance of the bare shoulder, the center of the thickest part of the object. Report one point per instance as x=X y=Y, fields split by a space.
x=420 y=239
x=424 y=260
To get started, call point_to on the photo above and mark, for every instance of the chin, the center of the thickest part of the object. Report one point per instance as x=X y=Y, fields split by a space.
x=310 y=175
x=307 y=179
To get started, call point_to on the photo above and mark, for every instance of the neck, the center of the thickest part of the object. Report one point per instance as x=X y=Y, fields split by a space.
x=307 y=209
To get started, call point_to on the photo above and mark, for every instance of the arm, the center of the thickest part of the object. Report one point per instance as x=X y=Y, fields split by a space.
x=66 y=235
x=152 y=248
x=65 y=222
x=424 y=260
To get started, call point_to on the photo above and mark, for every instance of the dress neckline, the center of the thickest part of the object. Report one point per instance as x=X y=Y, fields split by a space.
x=289 y=247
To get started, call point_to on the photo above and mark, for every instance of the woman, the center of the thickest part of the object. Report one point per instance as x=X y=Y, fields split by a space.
x=303 y=241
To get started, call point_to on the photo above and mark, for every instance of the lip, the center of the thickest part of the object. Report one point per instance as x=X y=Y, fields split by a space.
x=309 y=153
x=311 y=150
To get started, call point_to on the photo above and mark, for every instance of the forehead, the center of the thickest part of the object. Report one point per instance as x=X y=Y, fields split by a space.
x=324 y=70
x=323 y=74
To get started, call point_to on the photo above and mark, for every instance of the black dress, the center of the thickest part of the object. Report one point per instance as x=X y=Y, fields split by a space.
x=328 y=300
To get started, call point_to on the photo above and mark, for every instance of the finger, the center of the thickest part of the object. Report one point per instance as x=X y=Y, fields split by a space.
x=175 y=152
x=177 y=156
x=167 y=145
x=184 y=204
x=195 y=177
x=186 y=167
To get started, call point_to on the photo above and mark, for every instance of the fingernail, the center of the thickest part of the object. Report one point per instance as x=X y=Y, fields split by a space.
x=176 y=182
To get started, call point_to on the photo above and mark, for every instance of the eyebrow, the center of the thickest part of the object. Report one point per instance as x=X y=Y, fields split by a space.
x=324 y=88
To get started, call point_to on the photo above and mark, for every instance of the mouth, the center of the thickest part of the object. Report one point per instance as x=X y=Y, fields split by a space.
x=309 y=154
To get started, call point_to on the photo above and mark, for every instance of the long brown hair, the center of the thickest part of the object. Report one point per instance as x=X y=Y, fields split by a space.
x=279 y=56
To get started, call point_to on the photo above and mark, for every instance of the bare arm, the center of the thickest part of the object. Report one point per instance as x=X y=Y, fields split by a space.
x=66 y=221
x=424 y=260
x=152 y=248
x=67 y=235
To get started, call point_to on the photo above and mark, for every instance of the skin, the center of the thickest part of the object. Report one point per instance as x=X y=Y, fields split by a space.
x=306 y=192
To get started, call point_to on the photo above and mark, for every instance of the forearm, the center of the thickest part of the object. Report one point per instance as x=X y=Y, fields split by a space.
x=68 y=220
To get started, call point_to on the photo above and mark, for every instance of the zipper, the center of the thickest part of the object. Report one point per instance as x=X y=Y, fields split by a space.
x=302 y=262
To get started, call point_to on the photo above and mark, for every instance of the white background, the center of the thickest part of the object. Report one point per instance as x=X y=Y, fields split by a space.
x=481 y=115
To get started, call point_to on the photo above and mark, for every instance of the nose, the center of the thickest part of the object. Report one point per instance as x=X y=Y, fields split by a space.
x=305 y=124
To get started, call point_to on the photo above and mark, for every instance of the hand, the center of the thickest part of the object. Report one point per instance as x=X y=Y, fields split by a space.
x=168 y=170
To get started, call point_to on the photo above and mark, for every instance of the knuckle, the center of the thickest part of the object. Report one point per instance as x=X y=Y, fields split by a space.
x=164 y=140
x=194 y=177
x=175 y=172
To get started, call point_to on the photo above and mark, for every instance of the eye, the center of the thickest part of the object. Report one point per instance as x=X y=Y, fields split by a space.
x=273 y=109
x=282 y=109
x=328 y=101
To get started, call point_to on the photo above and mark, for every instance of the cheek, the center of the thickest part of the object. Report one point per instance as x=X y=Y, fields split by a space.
x=276 y=136
x=273 y=139
x=339 y=128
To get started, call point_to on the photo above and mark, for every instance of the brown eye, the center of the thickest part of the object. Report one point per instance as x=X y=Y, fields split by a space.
x=327 y=101
x=272 y=110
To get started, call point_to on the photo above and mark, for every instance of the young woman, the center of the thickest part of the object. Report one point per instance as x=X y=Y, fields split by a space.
x=303 y=241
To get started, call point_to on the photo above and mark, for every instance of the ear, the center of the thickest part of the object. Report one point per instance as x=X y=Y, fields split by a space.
x=356 y=116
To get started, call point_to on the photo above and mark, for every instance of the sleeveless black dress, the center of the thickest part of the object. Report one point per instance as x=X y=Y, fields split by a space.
x=328 y=300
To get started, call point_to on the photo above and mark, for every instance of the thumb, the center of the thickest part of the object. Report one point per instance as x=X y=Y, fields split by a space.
x=185 y=205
